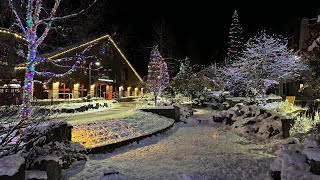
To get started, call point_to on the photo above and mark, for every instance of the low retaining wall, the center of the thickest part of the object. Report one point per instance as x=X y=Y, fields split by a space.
x=126 y=99
x=111 y=147
x=173 y=113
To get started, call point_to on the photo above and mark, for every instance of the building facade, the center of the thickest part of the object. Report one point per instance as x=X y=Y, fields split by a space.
x=104 y=71
x=107 y=70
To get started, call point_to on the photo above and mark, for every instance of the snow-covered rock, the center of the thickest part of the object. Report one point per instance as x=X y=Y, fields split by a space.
x=51 y=164
x=12 y=167
x=250 y=121
x=35 y=174
x=297 y=161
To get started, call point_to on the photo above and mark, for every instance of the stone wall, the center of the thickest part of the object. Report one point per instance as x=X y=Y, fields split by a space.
x=173 y=113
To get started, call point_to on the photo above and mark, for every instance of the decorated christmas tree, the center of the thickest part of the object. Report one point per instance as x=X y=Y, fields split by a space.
x=158 y=77
x=236 y=43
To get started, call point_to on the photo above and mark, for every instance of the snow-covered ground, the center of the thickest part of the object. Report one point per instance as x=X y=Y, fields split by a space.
x=73 y=105
x=188 y=151
x=114 y=130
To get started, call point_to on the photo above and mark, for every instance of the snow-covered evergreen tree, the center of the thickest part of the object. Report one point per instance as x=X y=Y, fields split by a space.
x=265 y=62
x=181 y=81
x=158 y=77
x=236 y=43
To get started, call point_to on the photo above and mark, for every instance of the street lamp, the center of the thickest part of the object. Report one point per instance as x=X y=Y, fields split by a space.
x=90 y=69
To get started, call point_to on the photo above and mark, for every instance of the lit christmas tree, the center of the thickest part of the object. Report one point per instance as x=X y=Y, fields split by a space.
x=158 y=77
x=236 y=43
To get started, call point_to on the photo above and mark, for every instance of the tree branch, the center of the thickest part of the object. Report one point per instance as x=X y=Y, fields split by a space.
x=67 y=16
x=18 y=19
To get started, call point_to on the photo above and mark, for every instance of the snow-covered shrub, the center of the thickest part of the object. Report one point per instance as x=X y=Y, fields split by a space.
x=303 y=124
x=297 y=161
x=66 y=153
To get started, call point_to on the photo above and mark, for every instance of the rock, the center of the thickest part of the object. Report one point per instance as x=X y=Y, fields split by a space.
x=276 y=175
x=273 y=132
x=315 y=167
x=229 y=120
x=36 y=175
x=112 y=174
x=286 y=126
x=250 y=122
x=239 y=113
x=49 y=164
x=217 y=118
x=262 y=111
x=59 y=132
x=12 y=167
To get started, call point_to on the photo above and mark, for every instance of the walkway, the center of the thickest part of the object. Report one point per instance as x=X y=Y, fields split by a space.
x=192 y=150
x=120 y=110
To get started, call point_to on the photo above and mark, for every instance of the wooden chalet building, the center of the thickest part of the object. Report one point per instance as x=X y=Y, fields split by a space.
x=105 y=67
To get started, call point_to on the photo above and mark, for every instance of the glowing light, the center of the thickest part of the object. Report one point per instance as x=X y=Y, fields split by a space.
x=105 y=80
x=301 y=86
x=95 y=41
x=12 y=33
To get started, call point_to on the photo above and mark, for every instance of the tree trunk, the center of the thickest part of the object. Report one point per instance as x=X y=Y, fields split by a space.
x=155 y=99
x=27 y=95
x=263 y=94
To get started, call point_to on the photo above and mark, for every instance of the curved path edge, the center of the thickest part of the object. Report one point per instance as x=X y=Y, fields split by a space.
x=108 y=148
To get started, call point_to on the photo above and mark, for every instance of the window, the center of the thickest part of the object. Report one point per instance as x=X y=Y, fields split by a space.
x=124 y=74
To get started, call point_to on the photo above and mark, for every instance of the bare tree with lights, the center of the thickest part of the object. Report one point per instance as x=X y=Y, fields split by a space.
x=267 y=61
x=35 y=28
x=158 y=77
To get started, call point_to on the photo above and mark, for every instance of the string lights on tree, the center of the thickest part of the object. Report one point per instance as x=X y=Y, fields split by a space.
x=236 y=43
x=158 y=77
x=35 y=37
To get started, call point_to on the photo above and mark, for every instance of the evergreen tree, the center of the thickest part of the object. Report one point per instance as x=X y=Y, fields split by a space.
x=236 y=43
x=158 y=77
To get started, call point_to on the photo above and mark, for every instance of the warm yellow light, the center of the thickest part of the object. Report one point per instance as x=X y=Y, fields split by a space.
x=301 y=86
x=19 y=68
x=12 y=33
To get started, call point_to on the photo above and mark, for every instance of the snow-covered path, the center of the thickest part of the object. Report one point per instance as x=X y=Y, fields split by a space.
x=188 y=150
x=120 y=110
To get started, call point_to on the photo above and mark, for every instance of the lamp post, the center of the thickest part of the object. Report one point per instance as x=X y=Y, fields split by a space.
x=114 y=78
x=90 y=69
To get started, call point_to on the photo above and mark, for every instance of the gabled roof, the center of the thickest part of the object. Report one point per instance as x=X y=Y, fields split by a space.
x=105 y=37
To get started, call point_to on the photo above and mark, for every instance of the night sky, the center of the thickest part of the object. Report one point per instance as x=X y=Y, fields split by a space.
x=201 y=29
